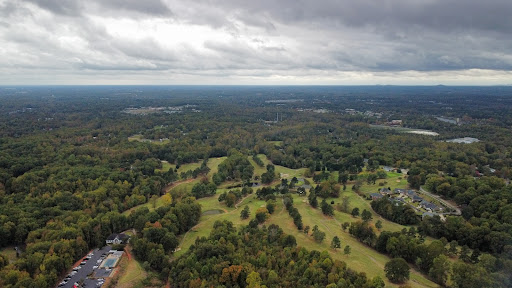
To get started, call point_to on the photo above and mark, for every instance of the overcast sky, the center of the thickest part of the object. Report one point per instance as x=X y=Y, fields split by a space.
x=345 y=42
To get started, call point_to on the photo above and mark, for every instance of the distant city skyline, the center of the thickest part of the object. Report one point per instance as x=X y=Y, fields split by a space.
x=287 y=42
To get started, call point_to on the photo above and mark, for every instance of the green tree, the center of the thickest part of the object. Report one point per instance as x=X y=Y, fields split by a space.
x=378 y=224
x=475 y=256
x=326 y=208
x=335 y=243
x=318 y=235
x=345 y=202
x=366 y=215
x=253 y=280
x=440 y=270
x=397 y=270
x=261 y=215
x=377 y=282
x=464 y=254
x=313 y=202
x=470 y=276
x=453 y=248
x=270 y=206
x=230 y=199
x=355 y=212
x=245 y=213
x=346 y=250
x=343 y=177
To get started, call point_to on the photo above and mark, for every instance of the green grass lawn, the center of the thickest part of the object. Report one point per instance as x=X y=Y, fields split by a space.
x=287 y=173
x=206 y=222
x=362 y=258
x=392 y=181
x=139 y=138
x=276 y=143
x=213 y=164
x=166 y=166
x=151 y=205
x=189 y=166
x=132 y=273
x=257 y=169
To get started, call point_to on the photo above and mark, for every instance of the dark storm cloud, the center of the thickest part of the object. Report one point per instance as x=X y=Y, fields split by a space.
x=78 y=7
x=61 y=7
x=424 y=35
x=150 y=7
x=440 y=15
x=264 y=38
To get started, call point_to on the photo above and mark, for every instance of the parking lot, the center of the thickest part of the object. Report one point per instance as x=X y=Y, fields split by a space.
x=89 y=264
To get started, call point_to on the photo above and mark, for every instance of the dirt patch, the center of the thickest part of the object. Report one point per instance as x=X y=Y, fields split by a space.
x=212 y=212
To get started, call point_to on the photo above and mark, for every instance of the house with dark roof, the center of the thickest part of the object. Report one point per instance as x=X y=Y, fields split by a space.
x=117 y=239
x=376 y=196
x=428 y=206
x=305 y=186
x=410 y=193
x=397 y=201
x=399 y=191
x=400 y=199
x=416 y=198
x=385 y=191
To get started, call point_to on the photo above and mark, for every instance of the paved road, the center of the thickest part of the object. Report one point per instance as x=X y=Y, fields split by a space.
x=438 y=198
x=87 y=269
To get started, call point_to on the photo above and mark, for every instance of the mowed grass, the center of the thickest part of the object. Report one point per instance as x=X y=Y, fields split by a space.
x=258 y=170
x=166 y=166
x=362 y=258
x=206 y=222
x=276 y=143
x=9 y=252
x=189 y=167
x=285 y=172
x=151 y=205
x=213 y=164
x=132 y=272
x=139 y=138
x=363 y=204
x=394 y=180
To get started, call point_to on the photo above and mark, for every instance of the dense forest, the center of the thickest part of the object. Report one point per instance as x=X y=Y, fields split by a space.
x=79 y=163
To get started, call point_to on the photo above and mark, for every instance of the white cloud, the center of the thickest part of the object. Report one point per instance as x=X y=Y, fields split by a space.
x=259 y=42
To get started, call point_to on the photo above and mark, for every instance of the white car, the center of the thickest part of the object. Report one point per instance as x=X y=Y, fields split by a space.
x=95 y=267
